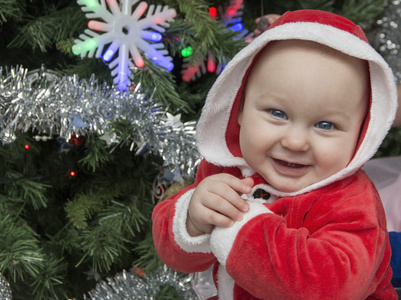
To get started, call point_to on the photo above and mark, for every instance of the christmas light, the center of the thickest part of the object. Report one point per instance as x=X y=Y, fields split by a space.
x=99 y=26
x=110 y=51
x=108 y=55
x=85 y=46
x=90 y=3
x=26 y=147
x=186 y=51
x=213 y=12
x=190 y=72
x=140 y=10
x=158 y=58
x=232 y=10
x=211 y=65
x=72 y=173
x=237 y=27
x=152 y=36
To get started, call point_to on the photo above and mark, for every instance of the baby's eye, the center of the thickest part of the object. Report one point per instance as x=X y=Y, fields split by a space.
x=278 y=113
x=325 y=125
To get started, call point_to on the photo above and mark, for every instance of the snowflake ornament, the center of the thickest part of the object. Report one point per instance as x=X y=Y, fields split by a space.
x=124 y=33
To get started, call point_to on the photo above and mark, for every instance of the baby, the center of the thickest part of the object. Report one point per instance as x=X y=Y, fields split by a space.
x=280 y=205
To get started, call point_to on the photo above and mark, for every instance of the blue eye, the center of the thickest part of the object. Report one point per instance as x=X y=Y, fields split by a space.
x=325 y=125
x=278 y=113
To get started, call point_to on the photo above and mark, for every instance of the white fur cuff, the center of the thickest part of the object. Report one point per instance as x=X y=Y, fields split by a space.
x=183 y=239
x=222 y=239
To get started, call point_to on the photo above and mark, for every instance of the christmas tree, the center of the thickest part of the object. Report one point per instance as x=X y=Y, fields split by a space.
x=97 y=126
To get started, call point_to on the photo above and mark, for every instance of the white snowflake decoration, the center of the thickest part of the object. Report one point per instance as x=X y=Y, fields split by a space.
x=125 y=33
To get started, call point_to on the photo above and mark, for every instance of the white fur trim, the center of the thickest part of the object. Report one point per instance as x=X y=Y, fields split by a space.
x=225 y=283
x=222 y=239
x=213 y=122
x=183 y=239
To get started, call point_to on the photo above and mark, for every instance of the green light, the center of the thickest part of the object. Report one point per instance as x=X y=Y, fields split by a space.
x=76 y=49
x=186 y=51
x=84 y=46
x=89 y=3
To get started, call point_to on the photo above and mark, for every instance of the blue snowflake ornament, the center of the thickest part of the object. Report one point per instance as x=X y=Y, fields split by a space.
x=124 y=33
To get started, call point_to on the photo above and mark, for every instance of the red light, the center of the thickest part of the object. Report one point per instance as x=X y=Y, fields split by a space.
x=213 y=12
x=139 y=62
x=231 y=11
x=72 y=173
x=26 y=147
x=211 y=65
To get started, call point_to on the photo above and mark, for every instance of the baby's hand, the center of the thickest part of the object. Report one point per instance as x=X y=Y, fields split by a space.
x=217 y=202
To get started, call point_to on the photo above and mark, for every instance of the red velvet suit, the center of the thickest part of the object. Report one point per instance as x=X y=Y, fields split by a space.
x=331 y=243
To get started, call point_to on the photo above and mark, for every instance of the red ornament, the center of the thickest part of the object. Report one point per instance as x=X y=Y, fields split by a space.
x=76 y=140
x=138 y=271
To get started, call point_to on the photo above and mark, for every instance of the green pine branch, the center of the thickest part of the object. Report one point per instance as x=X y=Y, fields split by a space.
x=27 y=191
x=47 y=26
x=326 y=5
x=127 y=219
x=95 y=153
x=363 y=12
x=159 y=85
x=50 y=283
x=20 y=253
x=147 y=255
x=81 y=209
x=10 y=9
x=103 y=246
x=205 y=33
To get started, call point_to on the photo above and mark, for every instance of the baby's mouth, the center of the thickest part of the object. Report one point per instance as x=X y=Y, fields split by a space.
x=288 y=164
x=290 y=168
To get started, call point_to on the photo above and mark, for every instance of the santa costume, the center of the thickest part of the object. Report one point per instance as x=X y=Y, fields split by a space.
x=326 y=241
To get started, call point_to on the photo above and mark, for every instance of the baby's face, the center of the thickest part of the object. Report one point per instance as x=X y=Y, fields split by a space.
x=302 y=115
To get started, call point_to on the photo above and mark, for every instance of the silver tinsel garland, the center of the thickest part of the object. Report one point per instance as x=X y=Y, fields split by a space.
x=5 y=290
x=389 y=38
x=125 y=286
x=53 y=105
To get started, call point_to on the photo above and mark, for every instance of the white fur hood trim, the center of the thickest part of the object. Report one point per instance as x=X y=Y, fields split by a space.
x=213 y=122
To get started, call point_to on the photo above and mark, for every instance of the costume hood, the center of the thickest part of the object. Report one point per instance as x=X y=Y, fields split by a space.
x=218 y=129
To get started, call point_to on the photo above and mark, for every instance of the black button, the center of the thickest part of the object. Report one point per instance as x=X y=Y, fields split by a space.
x=259 y=193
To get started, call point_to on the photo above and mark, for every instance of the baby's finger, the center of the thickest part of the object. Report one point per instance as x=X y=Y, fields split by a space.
x=248 y=181
x=241 y=186
x=232 y=209
x=228 y=196
x=222 y=220
x=205 y=219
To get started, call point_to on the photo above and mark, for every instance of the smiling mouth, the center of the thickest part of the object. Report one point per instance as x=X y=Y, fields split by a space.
x=291 y=165
x=289 y=169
